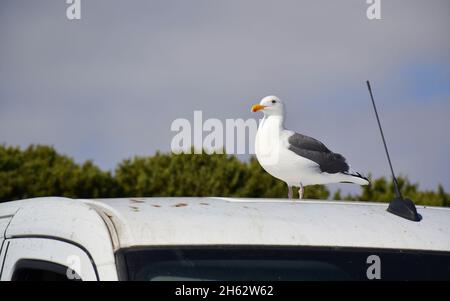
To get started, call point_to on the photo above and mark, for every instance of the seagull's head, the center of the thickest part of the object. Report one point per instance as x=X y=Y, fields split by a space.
x=270 y=105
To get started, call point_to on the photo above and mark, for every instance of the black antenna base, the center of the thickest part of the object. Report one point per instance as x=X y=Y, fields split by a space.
x=404 y=208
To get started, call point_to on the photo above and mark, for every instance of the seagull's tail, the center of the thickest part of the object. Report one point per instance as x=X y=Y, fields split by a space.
x=356 y=178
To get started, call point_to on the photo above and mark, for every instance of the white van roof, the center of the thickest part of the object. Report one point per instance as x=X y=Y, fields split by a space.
x=228 y=221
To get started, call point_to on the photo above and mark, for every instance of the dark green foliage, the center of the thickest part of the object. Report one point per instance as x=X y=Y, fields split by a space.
x=382 y=190
x=201 y=175
x=41 y=171
x=181 y=175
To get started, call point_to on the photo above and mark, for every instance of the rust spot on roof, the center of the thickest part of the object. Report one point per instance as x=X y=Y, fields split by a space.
x=134 y=208
x=206 y=204
x=180 y=205
x=137 y=200
x=157 y=206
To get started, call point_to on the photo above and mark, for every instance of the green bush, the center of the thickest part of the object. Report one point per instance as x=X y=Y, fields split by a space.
x=382 y=190
x=201 y=175
x=40 y=171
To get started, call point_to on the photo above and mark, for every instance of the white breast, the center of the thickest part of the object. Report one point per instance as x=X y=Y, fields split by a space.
x=272 y=152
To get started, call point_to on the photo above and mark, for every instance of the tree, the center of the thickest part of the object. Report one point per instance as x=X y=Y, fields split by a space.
x=41 y=171
x=201 y=175
x=382 y=190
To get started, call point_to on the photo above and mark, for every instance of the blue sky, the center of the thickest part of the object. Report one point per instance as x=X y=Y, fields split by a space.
x=108 y=86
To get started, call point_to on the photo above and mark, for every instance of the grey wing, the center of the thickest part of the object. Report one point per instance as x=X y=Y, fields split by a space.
x=307 y=143
x=316 y=151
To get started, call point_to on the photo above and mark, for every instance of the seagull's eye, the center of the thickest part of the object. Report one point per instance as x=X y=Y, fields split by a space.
x=274 y=101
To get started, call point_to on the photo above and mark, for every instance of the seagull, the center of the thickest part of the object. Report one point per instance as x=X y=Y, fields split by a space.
x=294 y=158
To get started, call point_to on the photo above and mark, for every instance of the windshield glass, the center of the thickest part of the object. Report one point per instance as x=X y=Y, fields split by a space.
x=271 y=263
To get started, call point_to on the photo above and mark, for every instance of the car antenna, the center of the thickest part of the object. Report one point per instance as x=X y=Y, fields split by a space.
x=399 y=206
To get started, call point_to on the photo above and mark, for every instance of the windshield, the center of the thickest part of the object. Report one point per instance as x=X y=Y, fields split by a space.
x=272 y=263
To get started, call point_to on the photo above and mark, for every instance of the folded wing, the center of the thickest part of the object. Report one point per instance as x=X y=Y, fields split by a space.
x=316 y=151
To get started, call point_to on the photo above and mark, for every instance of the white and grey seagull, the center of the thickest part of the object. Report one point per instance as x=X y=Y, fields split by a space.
x=296 y=159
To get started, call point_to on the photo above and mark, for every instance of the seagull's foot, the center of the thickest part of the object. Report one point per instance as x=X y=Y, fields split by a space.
x=289 y=192
x=301 y=191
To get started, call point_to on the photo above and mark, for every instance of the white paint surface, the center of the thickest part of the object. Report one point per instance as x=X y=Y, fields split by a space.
x=106 y=225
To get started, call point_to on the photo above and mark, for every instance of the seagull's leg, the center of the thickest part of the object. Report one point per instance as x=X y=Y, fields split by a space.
x=301 y=190
x=289 y=191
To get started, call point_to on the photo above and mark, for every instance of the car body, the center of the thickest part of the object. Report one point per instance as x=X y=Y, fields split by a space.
x=108 y=239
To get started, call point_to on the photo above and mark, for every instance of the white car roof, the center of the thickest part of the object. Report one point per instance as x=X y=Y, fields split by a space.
x=135 y=222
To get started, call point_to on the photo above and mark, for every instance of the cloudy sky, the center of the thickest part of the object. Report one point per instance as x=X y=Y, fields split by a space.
x=108 y=86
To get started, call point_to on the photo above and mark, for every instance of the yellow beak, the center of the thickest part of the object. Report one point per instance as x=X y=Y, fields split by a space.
x=256 y=108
